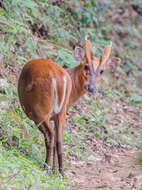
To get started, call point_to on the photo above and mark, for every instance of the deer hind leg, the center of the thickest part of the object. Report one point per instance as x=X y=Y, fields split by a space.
x=48 y=133
x=59 y=127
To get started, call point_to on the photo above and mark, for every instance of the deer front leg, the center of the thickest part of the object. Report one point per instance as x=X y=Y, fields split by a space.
x=54 y=152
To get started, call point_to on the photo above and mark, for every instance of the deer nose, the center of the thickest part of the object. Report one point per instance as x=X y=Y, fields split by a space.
x=90 y=88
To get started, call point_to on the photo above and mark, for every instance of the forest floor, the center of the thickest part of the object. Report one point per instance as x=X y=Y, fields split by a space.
x=115 y=170
x=102 y=138
x=107 y=166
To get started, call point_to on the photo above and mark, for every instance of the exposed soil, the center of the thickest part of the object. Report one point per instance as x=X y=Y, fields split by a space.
x=107 y=167
x=115 y=170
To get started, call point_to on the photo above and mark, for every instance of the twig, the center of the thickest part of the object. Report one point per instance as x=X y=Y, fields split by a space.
x=11 y=177
x=5 y=23
x=60 y=47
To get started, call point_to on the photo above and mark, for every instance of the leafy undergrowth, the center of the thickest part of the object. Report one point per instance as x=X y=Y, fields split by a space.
x=22 y=155
x=96 y=124
x=111 y=119
x=19 y=171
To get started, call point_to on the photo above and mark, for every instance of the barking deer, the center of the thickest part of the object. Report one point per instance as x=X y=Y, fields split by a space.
x=46 y=90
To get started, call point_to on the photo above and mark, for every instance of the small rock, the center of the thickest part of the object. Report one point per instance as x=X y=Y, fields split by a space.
x=89 y=164
x=3 y=84
x=93 y=158
x=86 y=97
x=3 y=103
x=135 y=173
x=107 y=157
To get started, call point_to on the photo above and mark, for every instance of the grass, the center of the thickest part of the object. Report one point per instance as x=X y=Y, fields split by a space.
x=22 y=147
x=21 y=172
x=115 y=117
x=22 y=156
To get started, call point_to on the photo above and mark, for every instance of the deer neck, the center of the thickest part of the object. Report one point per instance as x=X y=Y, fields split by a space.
x=77 y=84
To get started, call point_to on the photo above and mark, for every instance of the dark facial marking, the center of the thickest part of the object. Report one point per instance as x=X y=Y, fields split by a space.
x=86 y=67
x=91 y=85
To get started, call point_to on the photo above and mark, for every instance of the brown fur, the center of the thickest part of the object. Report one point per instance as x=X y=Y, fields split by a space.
x=36 y=94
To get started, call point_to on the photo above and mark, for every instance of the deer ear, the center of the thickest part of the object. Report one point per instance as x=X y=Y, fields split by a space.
x=79 y=53
x=113 y=63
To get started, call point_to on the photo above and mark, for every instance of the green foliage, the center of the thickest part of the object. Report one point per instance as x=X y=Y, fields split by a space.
x=65 y=59
x=61 y=22
x=136 y=99
x=19 y=172
x=22 y=155
x=31 y=29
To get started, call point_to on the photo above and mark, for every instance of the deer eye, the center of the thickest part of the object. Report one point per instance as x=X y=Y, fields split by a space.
x=86 y=67
x=101 y=72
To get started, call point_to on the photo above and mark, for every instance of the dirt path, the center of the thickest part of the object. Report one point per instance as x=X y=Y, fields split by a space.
x=115 y=171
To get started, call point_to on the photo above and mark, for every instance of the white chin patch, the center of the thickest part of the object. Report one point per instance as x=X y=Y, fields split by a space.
x=57 y=107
